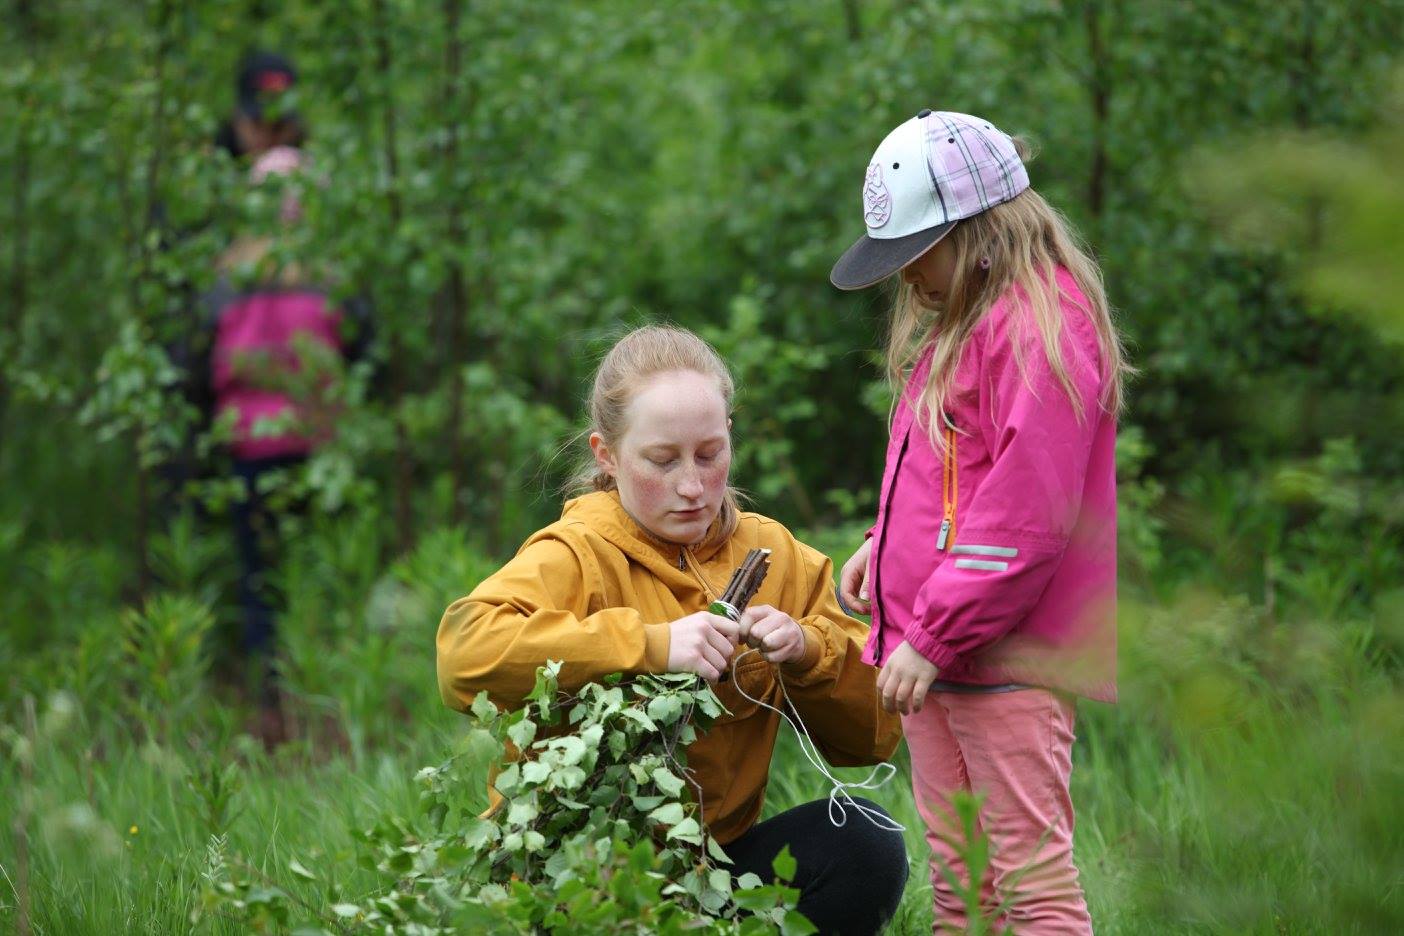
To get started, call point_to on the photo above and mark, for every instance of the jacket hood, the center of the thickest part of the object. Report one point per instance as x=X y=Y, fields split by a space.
x=604 y=514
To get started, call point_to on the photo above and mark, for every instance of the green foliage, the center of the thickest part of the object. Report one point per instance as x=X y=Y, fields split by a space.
x=1333 y=200
x=595 y=833
x=164 y=652
x=506 y=210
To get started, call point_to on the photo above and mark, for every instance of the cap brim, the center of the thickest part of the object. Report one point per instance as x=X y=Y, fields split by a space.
x=871 y=260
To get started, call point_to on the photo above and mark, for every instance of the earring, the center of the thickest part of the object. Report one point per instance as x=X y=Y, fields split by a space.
x=984 y=263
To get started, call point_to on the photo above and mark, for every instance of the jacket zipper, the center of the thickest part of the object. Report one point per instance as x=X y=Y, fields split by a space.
x=949 y=494
x=882 y=541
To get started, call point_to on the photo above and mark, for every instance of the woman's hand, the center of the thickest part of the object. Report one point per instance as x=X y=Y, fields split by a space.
x=778 y=637
x=701 y=643
x=853 y=580
x=904 y=679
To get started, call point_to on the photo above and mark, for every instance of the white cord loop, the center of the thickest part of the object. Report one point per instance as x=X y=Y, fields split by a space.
x=839 y=797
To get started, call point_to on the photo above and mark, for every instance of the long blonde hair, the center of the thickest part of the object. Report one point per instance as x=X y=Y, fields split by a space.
x=641 y=354
x=1026 y=240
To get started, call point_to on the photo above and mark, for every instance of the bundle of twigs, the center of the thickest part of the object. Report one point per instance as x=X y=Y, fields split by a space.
x=745 y=582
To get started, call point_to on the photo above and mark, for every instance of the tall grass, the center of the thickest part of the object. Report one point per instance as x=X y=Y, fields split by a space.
x=1250 y=780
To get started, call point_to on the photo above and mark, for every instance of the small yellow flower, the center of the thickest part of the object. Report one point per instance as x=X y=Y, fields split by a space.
x=132 y=830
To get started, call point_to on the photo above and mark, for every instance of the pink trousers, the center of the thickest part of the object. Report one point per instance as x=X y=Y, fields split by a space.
x=1016 y=749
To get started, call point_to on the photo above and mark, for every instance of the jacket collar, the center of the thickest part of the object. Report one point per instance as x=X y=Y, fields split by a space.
x=603 y=513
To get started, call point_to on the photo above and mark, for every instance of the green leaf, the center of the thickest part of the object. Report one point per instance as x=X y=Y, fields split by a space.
x=784 y=865
x=507 y=781
x=493 y=894
x=522 y=812
x=605 y=796
x=756 y=898
x=718 y=853
x=535 y=772
x=568 y=778
x=572 y=749
x=638 y=716
x=667 y=781
x=480 y=833
x=522 y=733
x=665 y=708
x=687 y=831
x=482 y=708
x=669 y=814
x=296 y=867
x=797 y=924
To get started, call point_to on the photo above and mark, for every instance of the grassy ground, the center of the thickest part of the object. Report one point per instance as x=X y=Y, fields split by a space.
x=1238 y=788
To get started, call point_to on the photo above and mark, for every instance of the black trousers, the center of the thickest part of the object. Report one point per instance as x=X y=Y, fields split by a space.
x=850 y=878
x=256 y=532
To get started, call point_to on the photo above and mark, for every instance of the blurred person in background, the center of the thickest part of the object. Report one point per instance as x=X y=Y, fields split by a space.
x=277 y=346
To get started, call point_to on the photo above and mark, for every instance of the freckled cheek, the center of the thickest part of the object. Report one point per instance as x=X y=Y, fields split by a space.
x=714 y=479
x=647 y=490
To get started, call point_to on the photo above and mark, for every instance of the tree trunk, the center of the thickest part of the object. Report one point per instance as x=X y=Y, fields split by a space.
x=1303 y=74
x=144 y=274
x=1099 y=91
x=19 y=219
x=457 y=307
x=851 y=20
x=395 y=363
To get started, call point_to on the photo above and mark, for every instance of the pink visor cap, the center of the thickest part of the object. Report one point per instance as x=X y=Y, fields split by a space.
x=931 y=172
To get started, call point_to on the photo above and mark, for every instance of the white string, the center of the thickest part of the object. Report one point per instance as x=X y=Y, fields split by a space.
x=838 y=792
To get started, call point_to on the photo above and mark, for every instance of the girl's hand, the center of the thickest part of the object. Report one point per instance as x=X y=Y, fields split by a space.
x=904 y=680
x=774 y=633
x=701 y=643
x=853 y=580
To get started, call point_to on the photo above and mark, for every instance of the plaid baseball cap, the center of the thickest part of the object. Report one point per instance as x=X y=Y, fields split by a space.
x=931 y=172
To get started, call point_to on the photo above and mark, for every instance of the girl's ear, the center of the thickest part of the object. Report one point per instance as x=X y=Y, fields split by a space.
x=604 y=458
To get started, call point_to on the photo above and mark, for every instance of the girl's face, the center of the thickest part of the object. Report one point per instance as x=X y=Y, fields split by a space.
x=672 y=462
x=931 y=273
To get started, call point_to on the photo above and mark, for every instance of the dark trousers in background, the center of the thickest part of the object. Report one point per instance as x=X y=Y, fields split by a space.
x=850 y=877
x=256 y=530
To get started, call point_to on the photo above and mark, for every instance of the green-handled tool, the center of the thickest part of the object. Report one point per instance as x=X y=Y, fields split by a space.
x=745 y=582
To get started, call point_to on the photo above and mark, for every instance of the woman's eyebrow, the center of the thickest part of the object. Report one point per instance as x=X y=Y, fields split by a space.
x=676 y=446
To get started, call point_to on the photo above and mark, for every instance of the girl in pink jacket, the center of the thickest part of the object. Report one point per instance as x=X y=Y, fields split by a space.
x=991 y=571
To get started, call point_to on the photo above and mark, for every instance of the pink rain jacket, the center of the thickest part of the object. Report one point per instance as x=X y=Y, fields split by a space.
x=996 y=560
x=255 y=338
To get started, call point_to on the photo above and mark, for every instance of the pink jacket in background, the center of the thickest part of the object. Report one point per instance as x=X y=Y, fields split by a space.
x=256 y=337
x=1021 y=587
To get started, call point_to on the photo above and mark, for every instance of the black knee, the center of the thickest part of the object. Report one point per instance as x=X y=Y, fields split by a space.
x=867 y=874
x=879 y=848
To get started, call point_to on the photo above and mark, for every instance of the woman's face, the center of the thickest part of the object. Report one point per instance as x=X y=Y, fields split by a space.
x=931 y=273
x=672 y=462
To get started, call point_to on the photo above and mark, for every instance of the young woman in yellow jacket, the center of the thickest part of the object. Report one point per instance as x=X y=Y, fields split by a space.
x=621 y=583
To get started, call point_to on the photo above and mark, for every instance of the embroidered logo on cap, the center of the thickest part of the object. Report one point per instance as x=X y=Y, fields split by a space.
x=877 y=201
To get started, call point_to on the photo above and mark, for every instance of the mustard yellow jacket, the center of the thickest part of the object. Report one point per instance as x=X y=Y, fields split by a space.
x=596 y=591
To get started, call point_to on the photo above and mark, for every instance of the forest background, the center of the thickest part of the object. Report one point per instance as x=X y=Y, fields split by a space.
x=510 y=185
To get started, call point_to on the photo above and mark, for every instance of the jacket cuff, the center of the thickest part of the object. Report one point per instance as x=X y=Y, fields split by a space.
x=813 y=651
x=931 y=648
x=868 y=534
x=657 y=638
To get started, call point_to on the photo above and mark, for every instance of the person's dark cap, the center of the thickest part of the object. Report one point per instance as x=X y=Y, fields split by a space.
x=871 y=260
x=263 y=77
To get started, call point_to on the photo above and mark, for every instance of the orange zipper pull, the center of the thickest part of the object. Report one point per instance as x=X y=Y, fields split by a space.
x=948 y=486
